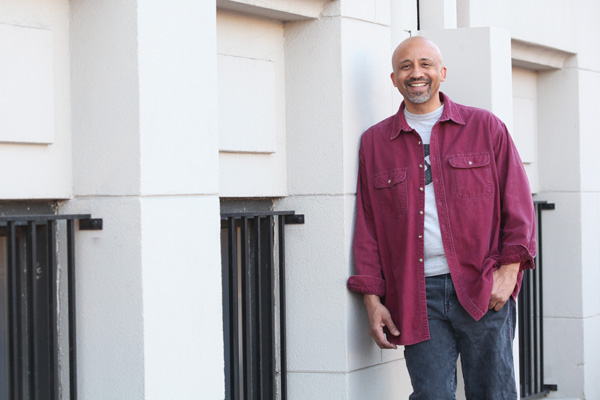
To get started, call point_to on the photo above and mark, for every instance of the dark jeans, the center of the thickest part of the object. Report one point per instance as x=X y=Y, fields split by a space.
x=485 y=349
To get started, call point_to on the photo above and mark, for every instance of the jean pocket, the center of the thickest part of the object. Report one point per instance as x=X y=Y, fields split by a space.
x=390 y=190
x=472 y=175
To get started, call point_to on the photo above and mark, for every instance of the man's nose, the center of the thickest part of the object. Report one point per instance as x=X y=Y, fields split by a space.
x=417 y=72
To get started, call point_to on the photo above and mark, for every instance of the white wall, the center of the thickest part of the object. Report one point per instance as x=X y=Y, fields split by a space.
x=35 y=98
x=146 y=160
x=252 y=126
x=525 y=131
x=337 y=85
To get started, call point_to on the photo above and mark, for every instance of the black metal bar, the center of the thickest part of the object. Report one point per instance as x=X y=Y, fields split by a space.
x=536 y=333
x=540 y=272
x=90 y=224
x=53 y=311
x=418 y=15
x=247 y=322
x=32 y=300
x=39 y=219
x=72 y=304
x=531 y=324
x=233 y=310
x=15 y=307
x=259 y=308
x=238 y=215
x=270 y=264
x=282 y=310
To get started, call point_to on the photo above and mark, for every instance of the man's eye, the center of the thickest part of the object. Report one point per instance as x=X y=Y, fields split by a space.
x=404 y=67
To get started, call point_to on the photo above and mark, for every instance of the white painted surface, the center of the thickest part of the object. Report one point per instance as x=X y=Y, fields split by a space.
x=386 y=382
x=26 y=84
x=35 y=99
x=247 y=105
x=483 y=81
x=315 y=385
x=105 y=97
x=314 y=101
x=252 y=128
x=558 y=127
x=181 y=298
x=177 y=90
x=589 y=120
x=146 y=156
x=110 y=317
x=367 y=88
x=525 y=133
x=376 y=11
x=438 y=14
x=316 y=291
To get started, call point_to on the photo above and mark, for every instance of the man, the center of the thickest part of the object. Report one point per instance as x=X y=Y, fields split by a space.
x=444 y=228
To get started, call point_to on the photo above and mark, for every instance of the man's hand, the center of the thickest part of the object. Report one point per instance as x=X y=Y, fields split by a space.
x=379 y=316
x=505 y=279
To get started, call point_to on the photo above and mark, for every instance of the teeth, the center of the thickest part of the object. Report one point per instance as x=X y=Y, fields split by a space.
x=417 y=84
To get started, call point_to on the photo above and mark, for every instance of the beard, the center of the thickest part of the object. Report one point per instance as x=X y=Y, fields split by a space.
x=418 y=98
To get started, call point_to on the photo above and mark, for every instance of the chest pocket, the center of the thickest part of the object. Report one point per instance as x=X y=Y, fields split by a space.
x=390 y=191
x=471 y=175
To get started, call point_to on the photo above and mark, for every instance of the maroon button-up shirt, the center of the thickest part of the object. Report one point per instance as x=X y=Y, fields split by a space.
x=484 y=207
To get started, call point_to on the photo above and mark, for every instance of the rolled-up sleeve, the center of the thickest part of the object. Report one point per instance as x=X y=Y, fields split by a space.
x=368 y=276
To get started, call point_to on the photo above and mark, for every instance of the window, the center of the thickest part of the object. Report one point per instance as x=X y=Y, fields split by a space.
x=253 y=265
x=29 y=304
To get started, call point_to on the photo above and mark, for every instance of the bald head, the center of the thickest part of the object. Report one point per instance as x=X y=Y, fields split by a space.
x=417 y=72
x=416 y=42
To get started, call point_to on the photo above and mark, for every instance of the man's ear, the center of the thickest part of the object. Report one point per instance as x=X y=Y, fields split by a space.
x=443 y=74
x=393 y=76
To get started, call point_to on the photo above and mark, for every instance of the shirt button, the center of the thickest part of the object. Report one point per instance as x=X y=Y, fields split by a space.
x=420 y=236
x=389 y=181
x=420 y=165
x=419 y=142
x=470 y=162
x=420 y=260
x=421 y=212
x=421 y=189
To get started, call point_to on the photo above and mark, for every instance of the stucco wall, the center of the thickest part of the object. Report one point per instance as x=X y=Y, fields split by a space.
x=36 y=100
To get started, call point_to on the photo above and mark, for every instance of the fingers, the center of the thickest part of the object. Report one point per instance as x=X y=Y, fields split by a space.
x=381 y=340
x=391 y=326
x=497 y=302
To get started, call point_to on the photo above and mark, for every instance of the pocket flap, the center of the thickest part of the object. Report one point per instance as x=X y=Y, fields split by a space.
x=469 y=160
x=390 y=178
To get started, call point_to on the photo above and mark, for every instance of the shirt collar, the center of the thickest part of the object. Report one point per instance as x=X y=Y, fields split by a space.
x=451 y=113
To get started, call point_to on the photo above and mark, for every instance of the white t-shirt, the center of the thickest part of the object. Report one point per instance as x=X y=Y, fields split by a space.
x=435 y=257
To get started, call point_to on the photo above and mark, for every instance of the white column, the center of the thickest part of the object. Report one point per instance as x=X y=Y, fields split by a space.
x=146 y=161
x=337 y=85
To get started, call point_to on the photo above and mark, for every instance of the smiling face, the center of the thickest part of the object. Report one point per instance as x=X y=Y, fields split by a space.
x=417 y=73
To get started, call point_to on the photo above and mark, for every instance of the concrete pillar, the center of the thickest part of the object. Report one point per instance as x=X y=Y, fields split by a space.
x=337 y=85
x=146 y=161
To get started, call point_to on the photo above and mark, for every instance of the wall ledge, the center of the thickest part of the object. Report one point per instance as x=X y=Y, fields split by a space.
x=289 y=10
x=536 y=57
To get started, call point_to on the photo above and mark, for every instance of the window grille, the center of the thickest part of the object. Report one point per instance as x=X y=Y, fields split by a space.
x=29 y=305
x=531 y=324
x=253 y=262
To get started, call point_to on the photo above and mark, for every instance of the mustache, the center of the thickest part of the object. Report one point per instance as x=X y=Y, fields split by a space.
x=413 y=80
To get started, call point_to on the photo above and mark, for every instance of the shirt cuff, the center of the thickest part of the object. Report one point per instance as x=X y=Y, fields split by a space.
x=518 y=254
x=367 y=285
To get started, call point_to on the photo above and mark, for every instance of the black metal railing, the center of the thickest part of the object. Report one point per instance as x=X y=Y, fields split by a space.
x=254 y=304
x=531 y=323
x=29 y=305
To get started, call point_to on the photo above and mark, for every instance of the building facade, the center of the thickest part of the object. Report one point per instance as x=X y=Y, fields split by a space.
x=156 y=116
